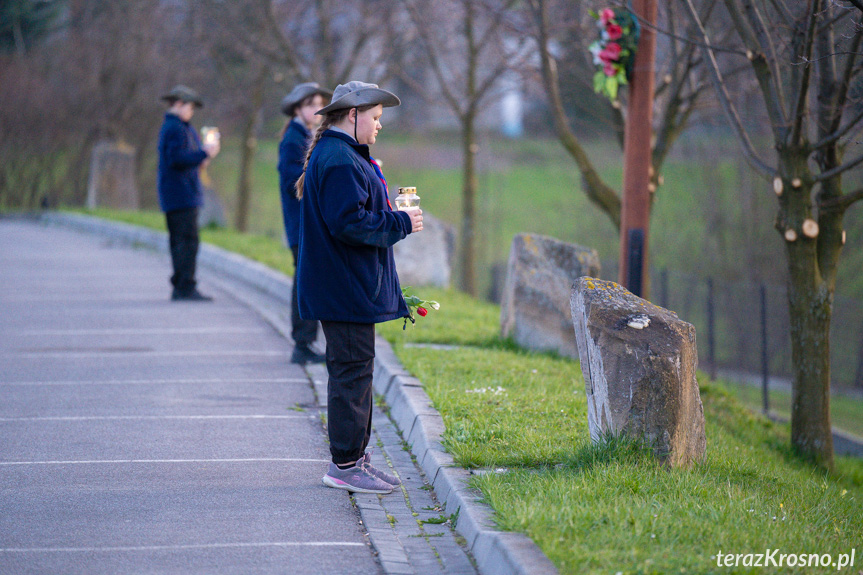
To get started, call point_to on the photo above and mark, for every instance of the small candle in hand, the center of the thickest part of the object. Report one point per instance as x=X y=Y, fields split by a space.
x=211 y=134
x=407 y=199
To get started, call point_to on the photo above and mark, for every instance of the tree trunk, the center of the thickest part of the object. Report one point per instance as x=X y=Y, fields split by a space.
x=468 y=221
x=812 y=260
x=248 y=146
x=810 y=305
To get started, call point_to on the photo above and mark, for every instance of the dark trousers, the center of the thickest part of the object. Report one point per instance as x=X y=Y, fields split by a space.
x=183 y=234
x=351 y=364
x=303 y=331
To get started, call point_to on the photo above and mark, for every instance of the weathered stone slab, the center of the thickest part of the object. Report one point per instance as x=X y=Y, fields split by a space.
x=111 y=181
x=535 y=309
x=212 y=213
x=639 y=363
x=425 y=258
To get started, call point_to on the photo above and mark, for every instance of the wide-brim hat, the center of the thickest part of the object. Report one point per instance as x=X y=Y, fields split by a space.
x=357 y=94
x=183 y=94
x=300 y=93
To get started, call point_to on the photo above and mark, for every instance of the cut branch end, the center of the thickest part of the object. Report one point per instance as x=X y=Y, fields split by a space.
x=810 y=228
x=777 y=185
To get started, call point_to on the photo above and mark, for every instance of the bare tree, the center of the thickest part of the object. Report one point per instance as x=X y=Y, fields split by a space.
x=319 y=40
x=681 y=83
x=804 y=57
x=96 y=74
x=467 y=52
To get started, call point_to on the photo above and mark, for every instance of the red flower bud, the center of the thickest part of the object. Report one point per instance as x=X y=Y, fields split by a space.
x=606 y=16
x=611 y=52
x=422 y=311
x=614 y=31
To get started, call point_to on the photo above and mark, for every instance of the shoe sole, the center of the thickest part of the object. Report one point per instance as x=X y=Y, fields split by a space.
x=336 y=484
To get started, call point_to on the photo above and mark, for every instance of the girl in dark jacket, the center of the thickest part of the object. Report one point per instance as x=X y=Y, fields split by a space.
x=301 y=107
x=346 y=275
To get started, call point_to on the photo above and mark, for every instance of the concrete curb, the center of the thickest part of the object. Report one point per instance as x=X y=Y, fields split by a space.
x=496 y=552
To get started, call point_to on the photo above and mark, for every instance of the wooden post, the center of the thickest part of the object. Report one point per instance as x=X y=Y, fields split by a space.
x=635 y=212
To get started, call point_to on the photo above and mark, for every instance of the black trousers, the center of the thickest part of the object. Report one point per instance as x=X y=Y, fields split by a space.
x=303 y=331
x=351 y=364
x=183 y=234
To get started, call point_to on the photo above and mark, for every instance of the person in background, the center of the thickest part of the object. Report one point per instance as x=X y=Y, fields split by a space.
x=300 y=106
x=346 y=275
x=181 y=154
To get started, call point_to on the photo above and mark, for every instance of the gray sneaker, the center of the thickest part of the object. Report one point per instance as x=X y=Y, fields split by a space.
x=356 y=479
x=382 y=475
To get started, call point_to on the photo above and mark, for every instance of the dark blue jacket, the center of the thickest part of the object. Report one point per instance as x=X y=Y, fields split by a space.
x=346 y=269
x=292 y=155
x=180 y=154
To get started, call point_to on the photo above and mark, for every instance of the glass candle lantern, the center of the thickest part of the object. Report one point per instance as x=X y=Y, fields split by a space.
x=407 y=199
x=210 y=134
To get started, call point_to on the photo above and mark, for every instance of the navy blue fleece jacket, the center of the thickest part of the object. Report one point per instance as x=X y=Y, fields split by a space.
x=292 y=154
x=346 y=270
x=180 y=154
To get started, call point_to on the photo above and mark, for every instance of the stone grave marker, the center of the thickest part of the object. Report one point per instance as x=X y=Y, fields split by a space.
x=535 y=309
x=639 y=363
x=111 y=182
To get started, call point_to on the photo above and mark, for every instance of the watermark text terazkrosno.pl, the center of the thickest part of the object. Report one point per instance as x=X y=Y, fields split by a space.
x=775 y=558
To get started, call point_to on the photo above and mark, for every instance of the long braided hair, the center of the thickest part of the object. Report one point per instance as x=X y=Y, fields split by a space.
x=330 y=120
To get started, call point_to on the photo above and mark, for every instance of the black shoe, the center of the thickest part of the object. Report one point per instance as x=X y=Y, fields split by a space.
x=193 y=295
x=303 y=355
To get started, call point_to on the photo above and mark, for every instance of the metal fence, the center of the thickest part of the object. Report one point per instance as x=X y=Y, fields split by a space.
x=744 y=326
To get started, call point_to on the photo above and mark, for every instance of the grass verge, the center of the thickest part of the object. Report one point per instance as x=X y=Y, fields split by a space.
x=609 y=508
x=264 y=249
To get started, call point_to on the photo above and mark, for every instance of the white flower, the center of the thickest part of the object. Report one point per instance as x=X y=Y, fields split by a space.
x=595 y=49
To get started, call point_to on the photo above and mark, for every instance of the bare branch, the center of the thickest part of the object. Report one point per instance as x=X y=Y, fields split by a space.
x=758 y=43
x=597 y=191
x=351 y=62
x=644 y=23
x=434 y=60
x=839 y=169
x=783 y=11
x=725 y=99
x=802 y=85
x=835 y=136
x=286 y=49
x=842 y=202
x=848 y=73
x=495 y=23
x=833 y=21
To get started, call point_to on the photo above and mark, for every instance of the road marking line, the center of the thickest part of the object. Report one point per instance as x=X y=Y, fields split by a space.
x=181 y=547
x=142 y=331
x=158 y=381
x=116 y=461
x=233 y=353
x=148 y=417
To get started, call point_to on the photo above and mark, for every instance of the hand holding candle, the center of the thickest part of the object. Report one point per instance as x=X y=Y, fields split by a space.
x=212 y=140
x=408 y=201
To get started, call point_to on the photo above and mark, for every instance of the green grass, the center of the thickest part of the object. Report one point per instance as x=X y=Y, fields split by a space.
x=845 y=412
x=461 y=320
x=609 y=507
x=263 y=249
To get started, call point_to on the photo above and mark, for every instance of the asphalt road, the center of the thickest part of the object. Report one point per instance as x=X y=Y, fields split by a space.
x=140 y=435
